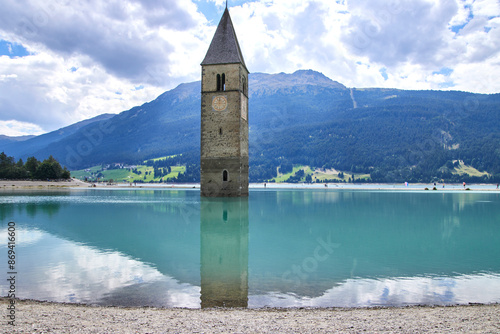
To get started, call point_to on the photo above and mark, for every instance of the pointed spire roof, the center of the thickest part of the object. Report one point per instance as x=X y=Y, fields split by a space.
x=224 y=48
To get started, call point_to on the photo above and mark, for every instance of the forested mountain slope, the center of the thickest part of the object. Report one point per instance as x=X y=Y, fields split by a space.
x=306 y=118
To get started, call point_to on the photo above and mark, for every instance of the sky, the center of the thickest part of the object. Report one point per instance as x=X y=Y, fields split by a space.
x=63 y=61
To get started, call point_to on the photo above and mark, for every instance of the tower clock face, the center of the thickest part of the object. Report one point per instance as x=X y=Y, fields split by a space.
x=219 y=103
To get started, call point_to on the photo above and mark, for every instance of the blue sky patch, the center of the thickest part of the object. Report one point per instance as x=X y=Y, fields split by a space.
x=214 y=13
x=383 y=71
x=447 y=84
x=459 y=27
x=444 y=71
x=12 y=50
x=210 y=11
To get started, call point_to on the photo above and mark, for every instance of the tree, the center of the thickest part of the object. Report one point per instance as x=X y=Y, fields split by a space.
x=5 y=165
x=286 y=167
x=50 y=169
x=31 y=166
x=66 y=174
x=11 y=170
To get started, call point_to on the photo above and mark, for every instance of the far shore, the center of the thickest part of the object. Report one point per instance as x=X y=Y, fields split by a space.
x=27 y=184
x=78 y=184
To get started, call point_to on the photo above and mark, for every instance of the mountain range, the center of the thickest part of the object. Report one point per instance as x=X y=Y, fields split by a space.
x=7 y=139
x=301 y=118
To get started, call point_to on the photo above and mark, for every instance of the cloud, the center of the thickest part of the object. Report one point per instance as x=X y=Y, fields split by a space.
x=283 y=36
x=83 y=52
x=117 y=35
x=396 y=32
x=15 y=128
x=52 y=92
x=354 y=42
x=168 y=12
x=80 y=54
x=413 y=39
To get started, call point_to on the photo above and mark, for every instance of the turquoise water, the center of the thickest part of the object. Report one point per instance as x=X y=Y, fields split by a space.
x=282 y=248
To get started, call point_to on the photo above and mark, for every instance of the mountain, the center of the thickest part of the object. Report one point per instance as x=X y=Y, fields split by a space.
x=7 y=139
x=399 y=135
x=305 y=118
x=27 y=146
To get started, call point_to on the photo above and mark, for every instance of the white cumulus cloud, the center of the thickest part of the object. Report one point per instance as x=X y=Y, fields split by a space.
x=15 y=128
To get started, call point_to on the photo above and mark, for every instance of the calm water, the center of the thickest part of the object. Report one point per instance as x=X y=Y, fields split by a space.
x=283 y=248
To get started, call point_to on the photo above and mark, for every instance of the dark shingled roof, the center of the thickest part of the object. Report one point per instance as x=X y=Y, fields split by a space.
x=224 y=48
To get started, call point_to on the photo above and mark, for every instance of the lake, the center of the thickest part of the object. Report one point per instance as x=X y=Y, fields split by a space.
x=277 y=248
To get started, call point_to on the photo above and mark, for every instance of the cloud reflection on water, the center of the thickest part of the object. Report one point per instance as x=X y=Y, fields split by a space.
x=360 y=292
x=77 y=273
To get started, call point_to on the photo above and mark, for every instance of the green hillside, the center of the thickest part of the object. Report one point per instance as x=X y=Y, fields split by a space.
x=120 y=173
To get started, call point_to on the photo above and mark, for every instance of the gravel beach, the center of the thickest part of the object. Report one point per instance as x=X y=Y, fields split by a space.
x=42 y=317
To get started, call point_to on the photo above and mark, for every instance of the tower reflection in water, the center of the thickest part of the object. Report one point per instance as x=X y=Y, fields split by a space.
x=224 y=252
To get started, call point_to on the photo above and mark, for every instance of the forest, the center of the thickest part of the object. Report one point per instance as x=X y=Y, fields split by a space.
x=49 y=169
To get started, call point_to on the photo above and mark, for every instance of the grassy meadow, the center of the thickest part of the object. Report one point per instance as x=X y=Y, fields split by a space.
x=142 y=173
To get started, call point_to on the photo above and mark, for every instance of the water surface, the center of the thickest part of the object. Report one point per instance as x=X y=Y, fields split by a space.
x=284 y=248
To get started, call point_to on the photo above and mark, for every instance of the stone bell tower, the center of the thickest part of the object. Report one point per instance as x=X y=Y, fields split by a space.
x=224 y=116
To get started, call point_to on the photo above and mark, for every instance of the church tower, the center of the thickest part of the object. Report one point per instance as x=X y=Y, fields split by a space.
x=224 y=116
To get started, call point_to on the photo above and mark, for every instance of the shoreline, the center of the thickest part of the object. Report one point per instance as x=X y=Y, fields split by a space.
x=33 y=185
x=77 y=184
x=37 y=316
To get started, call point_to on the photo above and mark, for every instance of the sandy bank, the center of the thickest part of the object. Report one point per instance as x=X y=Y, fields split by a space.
x=39 y=317
x=13 y=185
x=75 y=183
